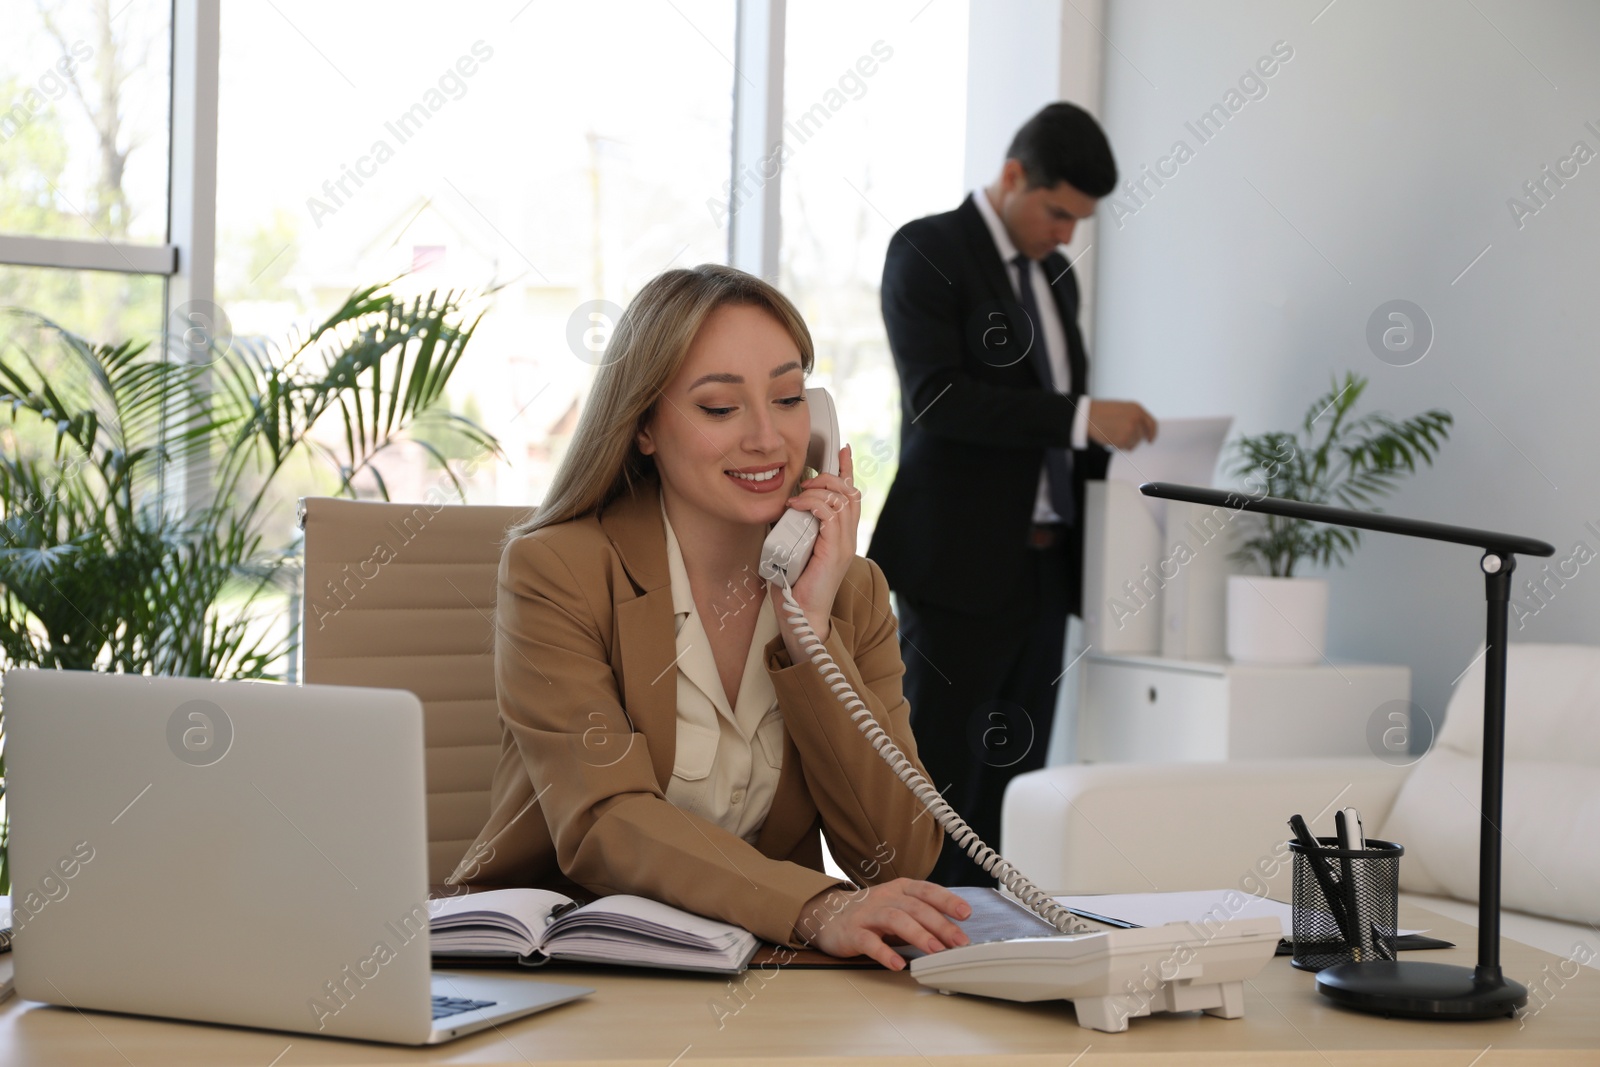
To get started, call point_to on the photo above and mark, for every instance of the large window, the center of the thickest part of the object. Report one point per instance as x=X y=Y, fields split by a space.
x=559 y=155
x=874 y=106
x=84 y=103
x=548 y=158
x=84 y=132
x=84 y=88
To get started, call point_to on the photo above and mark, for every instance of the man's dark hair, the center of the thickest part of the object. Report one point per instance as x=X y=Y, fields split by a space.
x=1063 y=143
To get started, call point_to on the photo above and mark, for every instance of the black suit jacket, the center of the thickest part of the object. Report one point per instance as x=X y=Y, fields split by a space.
x=975 y=418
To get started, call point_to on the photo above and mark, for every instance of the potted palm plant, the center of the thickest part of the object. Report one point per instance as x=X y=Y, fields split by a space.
x=103 y=567
x=1335 y=458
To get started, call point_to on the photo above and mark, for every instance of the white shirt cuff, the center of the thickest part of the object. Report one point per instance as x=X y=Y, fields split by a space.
x=1080 y=423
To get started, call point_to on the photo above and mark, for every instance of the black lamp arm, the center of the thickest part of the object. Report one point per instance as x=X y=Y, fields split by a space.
x=1501 y=544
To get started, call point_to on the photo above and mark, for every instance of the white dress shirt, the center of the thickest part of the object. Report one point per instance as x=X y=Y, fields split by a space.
x=1055 y=342
x=728 y=758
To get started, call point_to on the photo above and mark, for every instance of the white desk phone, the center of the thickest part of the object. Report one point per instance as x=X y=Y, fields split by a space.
x=1109 y=975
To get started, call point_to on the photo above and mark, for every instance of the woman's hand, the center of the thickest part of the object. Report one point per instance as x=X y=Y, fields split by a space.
x=905 y=910
x=836 y=503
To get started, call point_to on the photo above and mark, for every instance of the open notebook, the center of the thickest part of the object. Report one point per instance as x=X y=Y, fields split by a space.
x=534 y=926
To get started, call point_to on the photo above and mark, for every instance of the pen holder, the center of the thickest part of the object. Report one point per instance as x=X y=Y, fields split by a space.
x=1322 y=937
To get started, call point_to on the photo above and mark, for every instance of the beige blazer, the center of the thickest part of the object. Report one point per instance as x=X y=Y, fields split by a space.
x=585 y=677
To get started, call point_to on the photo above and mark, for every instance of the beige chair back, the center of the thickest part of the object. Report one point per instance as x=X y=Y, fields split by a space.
x=401 y=596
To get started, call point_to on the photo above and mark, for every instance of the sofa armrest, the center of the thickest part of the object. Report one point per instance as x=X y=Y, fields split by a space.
x=1143 y=827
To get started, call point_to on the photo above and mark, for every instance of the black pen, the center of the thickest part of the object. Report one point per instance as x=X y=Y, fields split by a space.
x=1319 y=868
x=1120 y=924
x=1347 y=881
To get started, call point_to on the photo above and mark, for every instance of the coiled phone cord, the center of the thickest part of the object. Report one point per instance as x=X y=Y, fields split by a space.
x=1034 y=898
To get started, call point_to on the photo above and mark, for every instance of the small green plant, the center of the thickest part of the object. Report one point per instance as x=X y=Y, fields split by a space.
x=1336 y=459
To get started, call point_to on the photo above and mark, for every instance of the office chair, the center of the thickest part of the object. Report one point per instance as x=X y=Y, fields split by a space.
x=401 y=596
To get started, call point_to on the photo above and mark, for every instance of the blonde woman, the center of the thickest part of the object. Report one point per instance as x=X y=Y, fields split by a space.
x=663 y=732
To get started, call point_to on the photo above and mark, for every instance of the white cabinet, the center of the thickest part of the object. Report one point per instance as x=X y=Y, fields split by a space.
x=1151 y=709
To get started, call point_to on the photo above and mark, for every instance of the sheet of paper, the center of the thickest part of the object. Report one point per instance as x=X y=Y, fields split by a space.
x=1209 y=905
x=1185 y=451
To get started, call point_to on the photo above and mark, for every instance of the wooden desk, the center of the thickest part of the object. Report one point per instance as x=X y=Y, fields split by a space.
x=858 y=1017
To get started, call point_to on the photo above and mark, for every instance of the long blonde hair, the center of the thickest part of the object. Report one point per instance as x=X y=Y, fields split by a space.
x=646 y=350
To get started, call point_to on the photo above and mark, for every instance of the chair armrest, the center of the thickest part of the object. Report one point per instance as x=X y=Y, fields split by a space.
x=1143 y=827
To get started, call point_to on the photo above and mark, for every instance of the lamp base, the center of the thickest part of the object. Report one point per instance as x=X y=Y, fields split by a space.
x=1414 y=990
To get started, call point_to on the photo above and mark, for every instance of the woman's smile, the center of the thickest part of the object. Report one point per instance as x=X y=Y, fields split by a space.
x=764 y=479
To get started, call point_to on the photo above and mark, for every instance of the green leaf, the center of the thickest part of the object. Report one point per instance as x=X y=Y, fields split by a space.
x=1336 y=457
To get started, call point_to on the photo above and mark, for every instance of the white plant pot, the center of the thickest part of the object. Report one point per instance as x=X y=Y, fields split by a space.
x=1277 y=620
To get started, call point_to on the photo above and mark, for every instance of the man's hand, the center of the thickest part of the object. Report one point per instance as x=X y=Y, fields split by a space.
x=1120 y=423
x=856 y=924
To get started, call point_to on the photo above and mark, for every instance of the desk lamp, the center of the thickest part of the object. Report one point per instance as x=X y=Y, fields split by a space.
x=1406 y=988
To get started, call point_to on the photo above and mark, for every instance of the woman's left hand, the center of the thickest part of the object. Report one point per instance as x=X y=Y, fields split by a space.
x=836 y=503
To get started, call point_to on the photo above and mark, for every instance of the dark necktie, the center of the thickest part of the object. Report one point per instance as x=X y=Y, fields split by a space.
x=1057 y=461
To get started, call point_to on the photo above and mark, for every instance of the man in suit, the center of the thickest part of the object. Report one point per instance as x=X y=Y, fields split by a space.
x=979 y=535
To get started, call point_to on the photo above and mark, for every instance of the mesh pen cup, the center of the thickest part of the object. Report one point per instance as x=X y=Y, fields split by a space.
x=1359 y=924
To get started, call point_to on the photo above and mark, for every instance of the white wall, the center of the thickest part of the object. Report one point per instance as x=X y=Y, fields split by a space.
x=1013 y=69
x=1377 y=166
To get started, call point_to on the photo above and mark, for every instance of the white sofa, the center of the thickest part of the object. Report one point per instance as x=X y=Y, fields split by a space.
x=1122 y=828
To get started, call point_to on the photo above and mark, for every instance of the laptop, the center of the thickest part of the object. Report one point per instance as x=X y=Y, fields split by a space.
x=248 y=853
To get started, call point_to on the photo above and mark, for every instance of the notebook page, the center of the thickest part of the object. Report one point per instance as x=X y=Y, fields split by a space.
x=525 y=912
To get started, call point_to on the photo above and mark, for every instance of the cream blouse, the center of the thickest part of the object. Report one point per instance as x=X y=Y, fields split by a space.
x=728 y=758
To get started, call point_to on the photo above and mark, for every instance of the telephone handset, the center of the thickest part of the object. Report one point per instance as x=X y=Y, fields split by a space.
x=1095 y=970
x=788 y=547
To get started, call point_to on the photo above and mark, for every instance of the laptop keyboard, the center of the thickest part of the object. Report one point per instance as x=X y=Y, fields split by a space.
x=443 y=1007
